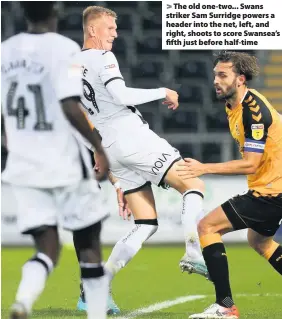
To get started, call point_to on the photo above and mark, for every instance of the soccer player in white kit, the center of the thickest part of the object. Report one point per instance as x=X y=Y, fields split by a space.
x=138 y=156
x=47 y=174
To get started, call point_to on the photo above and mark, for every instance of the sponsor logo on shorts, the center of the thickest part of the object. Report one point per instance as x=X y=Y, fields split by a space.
x=159 y=163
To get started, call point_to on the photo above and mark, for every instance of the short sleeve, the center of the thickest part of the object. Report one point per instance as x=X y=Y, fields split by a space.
x=257 y=119
x=109 y=70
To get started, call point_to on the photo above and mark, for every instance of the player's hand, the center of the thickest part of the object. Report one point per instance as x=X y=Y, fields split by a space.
x=124 y=211
x=101 y=165
x=190 y=168
x=171 y=99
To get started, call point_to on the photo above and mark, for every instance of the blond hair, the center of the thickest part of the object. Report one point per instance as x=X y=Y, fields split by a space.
x=94 y=12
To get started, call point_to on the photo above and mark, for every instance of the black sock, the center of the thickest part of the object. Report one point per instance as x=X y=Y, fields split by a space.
x=216 y=261
x=276 y=260
x=82 y=295
x=76 y=249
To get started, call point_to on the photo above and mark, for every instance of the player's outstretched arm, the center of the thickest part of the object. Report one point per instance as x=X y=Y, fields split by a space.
x=76 y=117
x=131 y=96
x=192 y=168
x=114 y=82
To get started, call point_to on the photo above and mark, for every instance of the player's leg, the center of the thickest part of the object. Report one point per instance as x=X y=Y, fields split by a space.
x=94 y=280
x=81 y=212
x=140 y=198
x=142 y=205
x=210 y=229
x=261 y=214
x=36 y=217
x=267 y=220
x=192 y=191
x=156 y=162
x=145 y=225
x=267 y=248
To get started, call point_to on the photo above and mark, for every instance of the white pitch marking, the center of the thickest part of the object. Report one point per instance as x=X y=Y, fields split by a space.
x=161 y=305
x=169 y=303
x=259 y=295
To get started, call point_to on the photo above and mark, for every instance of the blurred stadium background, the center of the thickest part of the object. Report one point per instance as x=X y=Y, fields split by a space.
x=198 y=129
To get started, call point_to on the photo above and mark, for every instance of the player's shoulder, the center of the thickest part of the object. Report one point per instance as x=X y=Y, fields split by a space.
x=63 y=44
x=256 y=107
x=97 y=59
x=109 y=59
x=255 y=99
x=10 y=43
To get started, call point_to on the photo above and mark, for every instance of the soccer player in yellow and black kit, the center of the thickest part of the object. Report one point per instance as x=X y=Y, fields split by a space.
x=257 y=128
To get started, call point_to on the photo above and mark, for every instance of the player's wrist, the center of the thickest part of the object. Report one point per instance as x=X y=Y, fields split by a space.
x=206 y=169
x=163 y=92
x=117 y=185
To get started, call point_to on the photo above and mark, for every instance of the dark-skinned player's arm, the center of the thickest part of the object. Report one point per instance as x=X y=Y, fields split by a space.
x=3 y=132
x=75 y=115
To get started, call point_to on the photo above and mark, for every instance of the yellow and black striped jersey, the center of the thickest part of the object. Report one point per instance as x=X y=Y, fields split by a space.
x=257 y=127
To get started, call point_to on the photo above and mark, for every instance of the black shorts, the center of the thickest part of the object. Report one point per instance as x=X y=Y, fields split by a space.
x=262 y=214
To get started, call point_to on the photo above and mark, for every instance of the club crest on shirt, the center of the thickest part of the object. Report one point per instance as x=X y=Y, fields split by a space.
x=257 y=131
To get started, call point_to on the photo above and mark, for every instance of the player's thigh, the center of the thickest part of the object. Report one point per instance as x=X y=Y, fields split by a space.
x=130 y=180
x=35 y=207
x=80 y=205
x=148 y=155
x=215 y=222
x=142 y=203
x=174 y=180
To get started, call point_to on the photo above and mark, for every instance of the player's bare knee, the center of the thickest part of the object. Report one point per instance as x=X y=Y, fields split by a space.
x=197 y=183
x=182 y=185
x=204 y=228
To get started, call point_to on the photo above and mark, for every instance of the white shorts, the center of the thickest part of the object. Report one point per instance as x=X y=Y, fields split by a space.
x=74 y=207
x=141 y=159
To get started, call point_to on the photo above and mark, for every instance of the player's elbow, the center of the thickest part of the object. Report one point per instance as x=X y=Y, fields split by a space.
x=252 y=168
x=120 y=99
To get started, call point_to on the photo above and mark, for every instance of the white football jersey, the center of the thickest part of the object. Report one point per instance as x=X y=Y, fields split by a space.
x=38 y=72
x=111 y=115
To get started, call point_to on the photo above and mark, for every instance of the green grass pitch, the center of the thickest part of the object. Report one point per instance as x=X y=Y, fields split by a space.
x=152 y=276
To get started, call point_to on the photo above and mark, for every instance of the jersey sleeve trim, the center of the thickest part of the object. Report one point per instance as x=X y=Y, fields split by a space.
x=253 y=150
x=112 y=79
x=254 y=146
